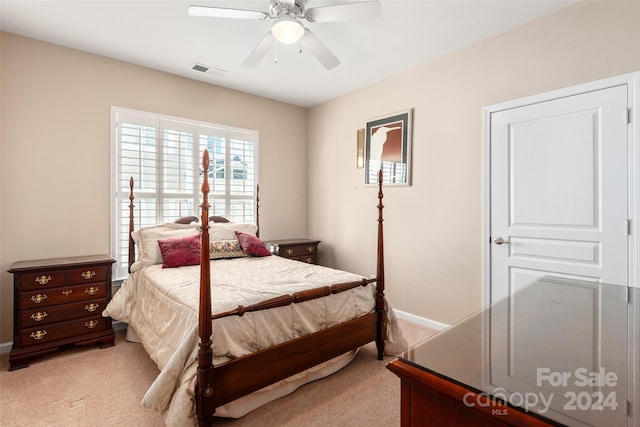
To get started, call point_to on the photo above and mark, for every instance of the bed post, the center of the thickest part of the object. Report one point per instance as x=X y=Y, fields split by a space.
x=381 y=331
x=205 y=380
x=132 y=256
x=257 y=210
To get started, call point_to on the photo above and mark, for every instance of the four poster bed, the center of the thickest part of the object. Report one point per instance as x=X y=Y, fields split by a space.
x=275 y=323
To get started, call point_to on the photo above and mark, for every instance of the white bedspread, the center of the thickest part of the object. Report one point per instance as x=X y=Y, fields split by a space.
x=161 y=305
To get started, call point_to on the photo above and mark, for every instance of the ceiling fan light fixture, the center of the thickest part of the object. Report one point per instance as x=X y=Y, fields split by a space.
x=287 y=30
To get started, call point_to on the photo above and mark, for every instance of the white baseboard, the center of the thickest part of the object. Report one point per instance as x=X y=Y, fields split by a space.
x=5 y=347
x=433 y=324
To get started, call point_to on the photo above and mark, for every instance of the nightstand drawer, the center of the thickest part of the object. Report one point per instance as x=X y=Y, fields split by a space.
x=43 y=280
x=309 y=259
x=47 y=333
x=298 y=250
x=304 y=250
x=60 y=313
x=67 y=294
x=87 y=275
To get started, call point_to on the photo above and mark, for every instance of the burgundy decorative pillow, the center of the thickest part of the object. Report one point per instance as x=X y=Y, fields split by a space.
x=180 y=251
x=252 y=245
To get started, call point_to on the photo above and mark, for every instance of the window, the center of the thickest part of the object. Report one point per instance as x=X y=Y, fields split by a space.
x=164 y=156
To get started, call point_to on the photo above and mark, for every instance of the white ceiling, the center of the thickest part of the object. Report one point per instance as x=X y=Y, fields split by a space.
x=161 y=35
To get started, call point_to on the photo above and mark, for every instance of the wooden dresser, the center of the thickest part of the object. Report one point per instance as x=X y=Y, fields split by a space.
x=556 y=352
x=298 y=249
x=59 y=302
x=430 y=400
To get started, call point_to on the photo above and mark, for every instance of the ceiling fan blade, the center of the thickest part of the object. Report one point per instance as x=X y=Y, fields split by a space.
x=259 y=51
x=222 y=12
x=313 y=44
x=344 y=12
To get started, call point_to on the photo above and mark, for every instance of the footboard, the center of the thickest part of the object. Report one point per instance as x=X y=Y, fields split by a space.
x=251 y=373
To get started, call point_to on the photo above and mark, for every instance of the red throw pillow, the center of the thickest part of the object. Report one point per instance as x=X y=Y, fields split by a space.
x=252 y=245
x=180 y=251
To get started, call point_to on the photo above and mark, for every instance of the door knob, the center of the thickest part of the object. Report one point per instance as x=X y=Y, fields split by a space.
x=500 y=241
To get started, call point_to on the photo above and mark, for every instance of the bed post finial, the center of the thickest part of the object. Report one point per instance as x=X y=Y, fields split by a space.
x=132 y=256
x=380 y=300
x=205 y=380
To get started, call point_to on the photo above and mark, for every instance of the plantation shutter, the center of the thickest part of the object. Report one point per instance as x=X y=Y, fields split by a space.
x=163 y=155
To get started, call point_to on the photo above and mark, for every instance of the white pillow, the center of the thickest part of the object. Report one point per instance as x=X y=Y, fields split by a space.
x=227 y=230
x=146 y=239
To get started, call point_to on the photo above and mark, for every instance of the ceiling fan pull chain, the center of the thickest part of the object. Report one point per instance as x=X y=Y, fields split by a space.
x=275 y=52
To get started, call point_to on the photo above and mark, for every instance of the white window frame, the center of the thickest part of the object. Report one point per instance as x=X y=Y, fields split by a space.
x=120 y=194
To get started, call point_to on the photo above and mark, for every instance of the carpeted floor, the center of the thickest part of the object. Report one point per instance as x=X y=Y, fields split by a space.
x=92 y=387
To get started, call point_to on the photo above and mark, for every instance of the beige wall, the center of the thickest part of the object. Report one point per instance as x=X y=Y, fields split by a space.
x=55 y=148
x=433 y=229
x=55 y=142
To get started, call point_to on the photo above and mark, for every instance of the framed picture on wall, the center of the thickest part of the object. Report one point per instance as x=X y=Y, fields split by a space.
x=388 y=148
x=360 y=148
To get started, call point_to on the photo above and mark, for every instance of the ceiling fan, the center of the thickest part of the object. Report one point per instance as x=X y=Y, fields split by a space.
x=288 y=28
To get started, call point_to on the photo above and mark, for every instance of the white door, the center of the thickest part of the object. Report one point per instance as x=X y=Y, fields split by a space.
x=558 y=184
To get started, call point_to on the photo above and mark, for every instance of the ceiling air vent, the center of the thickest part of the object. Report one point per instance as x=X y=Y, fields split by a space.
x=207 y=69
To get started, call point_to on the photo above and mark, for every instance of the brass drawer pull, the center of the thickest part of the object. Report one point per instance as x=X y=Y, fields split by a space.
x=43 y=280
x=91 y=307
x=67 y=292
x=39 y=298
x=38 y=335
x=311 y=249
x=91 y=324
x=39 y=316
x=92 y=290
x=88 y=274
x=289 y=251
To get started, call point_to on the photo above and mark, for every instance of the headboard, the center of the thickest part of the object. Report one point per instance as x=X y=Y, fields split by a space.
x=183 y=220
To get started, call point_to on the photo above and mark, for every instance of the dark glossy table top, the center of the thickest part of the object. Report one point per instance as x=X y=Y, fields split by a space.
x=565 y=349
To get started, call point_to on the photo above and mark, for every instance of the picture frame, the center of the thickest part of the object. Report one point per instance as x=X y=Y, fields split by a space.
x=360 y=148
x=388 y=147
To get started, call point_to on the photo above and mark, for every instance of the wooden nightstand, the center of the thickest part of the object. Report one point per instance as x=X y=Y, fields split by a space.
x=298 y=249
x=59 y=302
